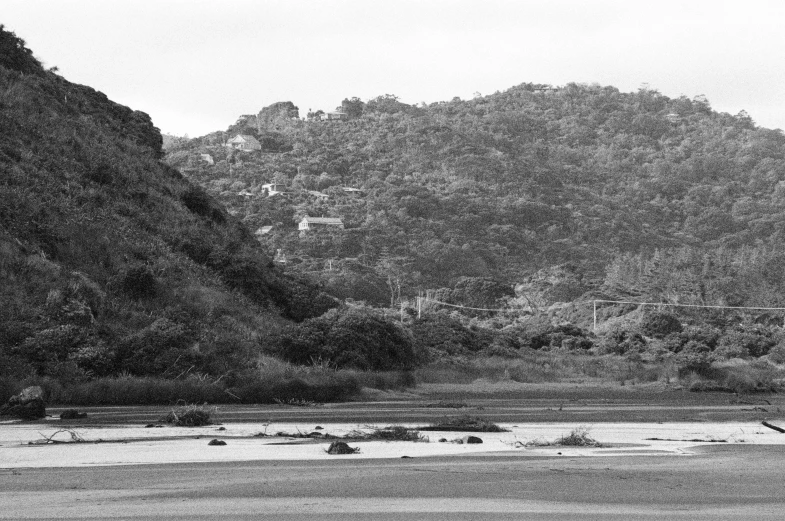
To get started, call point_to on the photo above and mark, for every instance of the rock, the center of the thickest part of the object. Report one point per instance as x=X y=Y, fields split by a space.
x=315 y=434
x=471 y=439
x=318 y=428
x=221 y=428
x=72 y=414
x=340 y=447
x=27 y=405
x=217 y=442
x=442 y=440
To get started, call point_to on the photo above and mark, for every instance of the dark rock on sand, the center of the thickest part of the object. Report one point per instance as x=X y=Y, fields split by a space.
x=72 y=414
x=340 y=447
x=217 y=442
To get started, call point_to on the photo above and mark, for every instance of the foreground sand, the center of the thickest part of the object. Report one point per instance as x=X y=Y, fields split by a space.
x=734 y=482
x=733 y=472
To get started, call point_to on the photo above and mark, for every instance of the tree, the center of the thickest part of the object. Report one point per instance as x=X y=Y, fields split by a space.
x=352 y=107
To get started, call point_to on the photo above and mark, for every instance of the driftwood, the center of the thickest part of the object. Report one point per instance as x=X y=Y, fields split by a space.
x=773 y=427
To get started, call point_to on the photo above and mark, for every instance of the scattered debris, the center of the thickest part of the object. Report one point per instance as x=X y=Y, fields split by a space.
x=710 y=440
x=773 y=427
x=340 y=447
x=217 y=442
x=72 y=414
x=297 y=402
x=465 y=423
x=153 y=426
x=447 y=405
x=75 y=438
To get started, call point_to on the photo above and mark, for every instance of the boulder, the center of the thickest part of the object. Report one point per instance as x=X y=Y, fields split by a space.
x=340 y=447
x=471 y=439
x=217 y=442
x=27 y=405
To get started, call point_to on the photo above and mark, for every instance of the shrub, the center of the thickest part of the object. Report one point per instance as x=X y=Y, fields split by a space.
x=197 y=201
x=547 y=336
x=50 y=347
x=660 y=325
x=159 y=349
x=694 y=357
x=189 y=416
x=352 y=338
x=446 y=335
x=138 y=282
x=748 y=341
x=621 y=341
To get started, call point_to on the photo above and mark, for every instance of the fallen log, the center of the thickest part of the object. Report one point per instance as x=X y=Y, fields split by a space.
x=773 y=427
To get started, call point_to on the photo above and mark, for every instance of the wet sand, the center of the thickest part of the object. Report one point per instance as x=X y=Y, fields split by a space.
x=732 y=482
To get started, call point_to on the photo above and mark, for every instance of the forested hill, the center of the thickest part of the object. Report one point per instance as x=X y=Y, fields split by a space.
x=110 y=261
x=581 y=188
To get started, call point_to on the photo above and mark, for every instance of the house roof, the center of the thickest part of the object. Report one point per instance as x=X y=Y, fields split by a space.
x=322 y=220
x=263 y=230
x=316 y=194
x=244 y=138
x=350 y=189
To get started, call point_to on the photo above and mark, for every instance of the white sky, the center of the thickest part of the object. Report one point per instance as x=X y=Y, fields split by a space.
x=196 y=65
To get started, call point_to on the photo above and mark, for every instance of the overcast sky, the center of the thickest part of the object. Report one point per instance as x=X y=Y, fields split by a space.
x=195 y=65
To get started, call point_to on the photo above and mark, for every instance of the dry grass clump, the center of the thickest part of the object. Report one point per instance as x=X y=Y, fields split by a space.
x=391 y=433
x=578 y=437
x=465 y=423
x=189 y=416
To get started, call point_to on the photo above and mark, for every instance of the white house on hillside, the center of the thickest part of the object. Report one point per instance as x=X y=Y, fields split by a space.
x=244 y=142
x=274 y=188
x=311 y=223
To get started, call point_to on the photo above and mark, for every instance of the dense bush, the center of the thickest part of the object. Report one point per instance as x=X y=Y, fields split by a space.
x=545 y=336
x=138 y=282
x=349 y=337
x=621 y=341
x=440 y=334
x=660 y=325
x=742 y=342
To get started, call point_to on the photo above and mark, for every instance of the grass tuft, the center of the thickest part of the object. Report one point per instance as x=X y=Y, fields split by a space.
x=189 y=416
x=465 y=423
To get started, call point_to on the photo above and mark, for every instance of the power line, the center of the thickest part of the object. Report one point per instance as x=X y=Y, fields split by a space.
x=426 y=299
x=706 y=306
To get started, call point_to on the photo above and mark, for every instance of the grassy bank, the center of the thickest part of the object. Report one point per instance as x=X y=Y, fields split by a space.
x=273 y=381
x=736 y=375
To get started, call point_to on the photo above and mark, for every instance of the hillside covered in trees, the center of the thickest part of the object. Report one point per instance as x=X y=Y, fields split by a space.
x=110 y=261
x=566 y=193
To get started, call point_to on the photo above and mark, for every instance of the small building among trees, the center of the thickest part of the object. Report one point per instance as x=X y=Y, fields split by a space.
x=312 y=223
x=244 y=142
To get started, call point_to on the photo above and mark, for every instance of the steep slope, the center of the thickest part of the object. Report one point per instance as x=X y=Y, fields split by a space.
x=110 y=261
x=504 y=185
